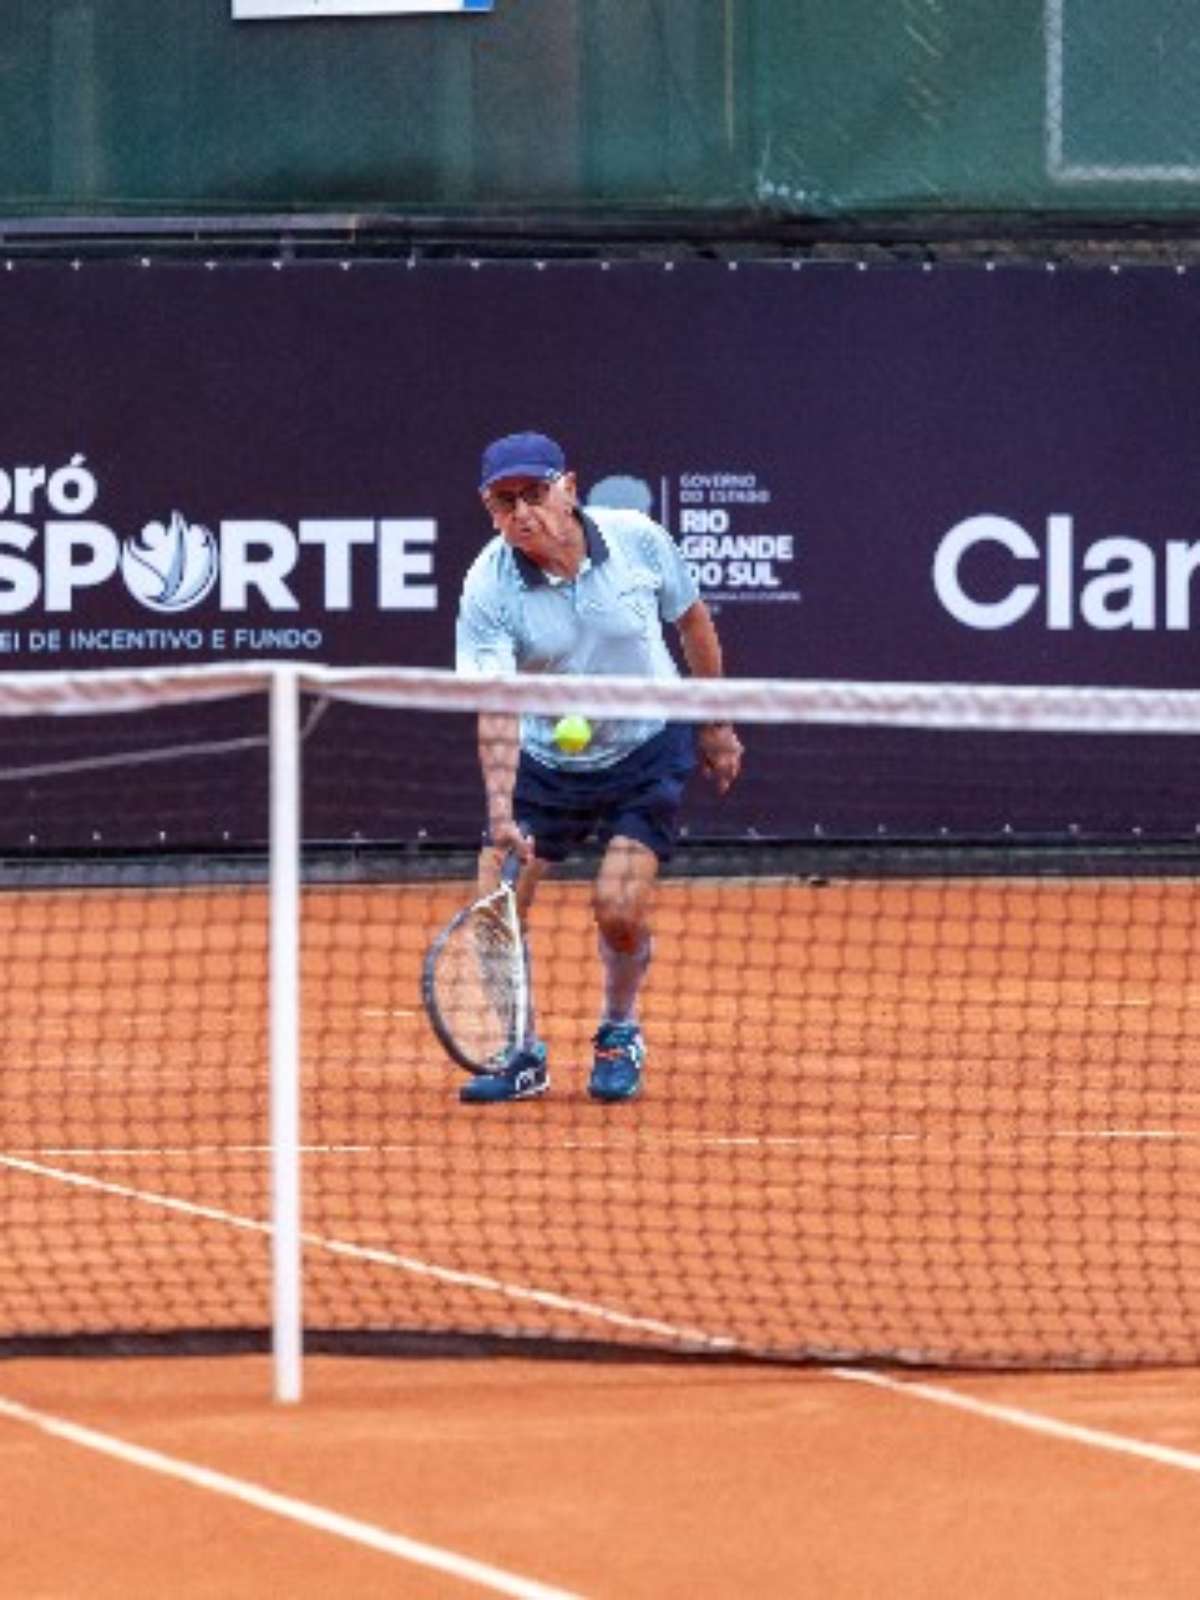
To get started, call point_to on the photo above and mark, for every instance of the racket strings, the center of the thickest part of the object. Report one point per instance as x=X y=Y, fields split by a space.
x=479 y=983
x=498 y=957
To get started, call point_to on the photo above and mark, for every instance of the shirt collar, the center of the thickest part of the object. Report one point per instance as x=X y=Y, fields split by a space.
x=594 y=548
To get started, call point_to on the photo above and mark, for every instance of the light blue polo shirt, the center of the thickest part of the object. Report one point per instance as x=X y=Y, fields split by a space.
x=608 y=619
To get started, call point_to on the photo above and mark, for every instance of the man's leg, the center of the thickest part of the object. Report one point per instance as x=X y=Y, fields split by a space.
x=622 y=899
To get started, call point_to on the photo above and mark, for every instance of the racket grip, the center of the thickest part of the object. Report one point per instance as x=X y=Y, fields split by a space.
x=510 y=871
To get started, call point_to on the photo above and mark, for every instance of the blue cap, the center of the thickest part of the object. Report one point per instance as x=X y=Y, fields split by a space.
x=521 y=455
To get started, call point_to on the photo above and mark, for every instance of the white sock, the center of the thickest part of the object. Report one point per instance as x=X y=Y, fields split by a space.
x=623 y=975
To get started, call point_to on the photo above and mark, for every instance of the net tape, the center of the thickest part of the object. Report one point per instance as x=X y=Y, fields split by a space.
x=998 y=707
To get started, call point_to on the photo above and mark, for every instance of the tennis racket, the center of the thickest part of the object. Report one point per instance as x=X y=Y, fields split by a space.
x=475 y=979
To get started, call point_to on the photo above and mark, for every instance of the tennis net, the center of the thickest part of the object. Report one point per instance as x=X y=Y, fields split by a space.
x=911 y=1093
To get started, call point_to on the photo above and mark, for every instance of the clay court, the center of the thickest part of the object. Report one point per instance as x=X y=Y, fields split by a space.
x=656 y=1349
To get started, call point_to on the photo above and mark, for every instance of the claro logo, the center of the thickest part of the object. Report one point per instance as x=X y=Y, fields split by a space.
x=1111 y=583
x=51 y=553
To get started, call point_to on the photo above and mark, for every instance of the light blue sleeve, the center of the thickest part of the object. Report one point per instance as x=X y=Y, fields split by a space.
x=678 y=589
x=483 y=641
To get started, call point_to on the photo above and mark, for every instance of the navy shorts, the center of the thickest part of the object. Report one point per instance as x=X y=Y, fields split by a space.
x=639 y=797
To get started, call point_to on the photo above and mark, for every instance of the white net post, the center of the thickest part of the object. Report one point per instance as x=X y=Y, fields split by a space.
x=287 y=1334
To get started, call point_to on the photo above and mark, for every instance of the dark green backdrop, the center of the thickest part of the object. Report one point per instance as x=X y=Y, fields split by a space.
x=798 y=107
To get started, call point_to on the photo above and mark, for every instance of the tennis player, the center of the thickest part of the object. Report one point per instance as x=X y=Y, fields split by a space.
x=563 y=590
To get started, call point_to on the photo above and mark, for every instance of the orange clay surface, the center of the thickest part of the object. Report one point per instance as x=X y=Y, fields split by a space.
x=629 y=1482
x=963 y=1126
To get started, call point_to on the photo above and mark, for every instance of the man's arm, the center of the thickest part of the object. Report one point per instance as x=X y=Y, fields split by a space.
x=483 y=647
x=498 y=752
x=720 y=747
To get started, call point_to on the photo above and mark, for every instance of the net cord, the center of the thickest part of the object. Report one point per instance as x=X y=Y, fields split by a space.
x=1049 y=708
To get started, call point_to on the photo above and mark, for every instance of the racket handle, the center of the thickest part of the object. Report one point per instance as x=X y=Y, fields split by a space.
x=510 y=871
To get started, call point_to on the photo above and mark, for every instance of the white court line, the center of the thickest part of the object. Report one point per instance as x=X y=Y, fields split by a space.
x=507 y=1583
x=587 y=1310
x=1163 y=1455
x=282 y=1505
x=934 y=1394
x=152 y=1152
x=547 y=1298
x=627 y=1144
x=846 y=1142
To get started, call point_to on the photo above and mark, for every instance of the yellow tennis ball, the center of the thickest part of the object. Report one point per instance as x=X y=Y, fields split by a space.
x=572 y=734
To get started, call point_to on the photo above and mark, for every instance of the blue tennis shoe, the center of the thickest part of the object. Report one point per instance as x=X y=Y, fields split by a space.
x=523 y=1076
x=620 y=1054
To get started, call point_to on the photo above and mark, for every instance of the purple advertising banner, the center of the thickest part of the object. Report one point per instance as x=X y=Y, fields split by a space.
x=949 y=473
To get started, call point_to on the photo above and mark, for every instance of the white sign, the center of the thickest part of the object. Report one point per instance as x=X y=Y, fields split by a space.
x=262 y=10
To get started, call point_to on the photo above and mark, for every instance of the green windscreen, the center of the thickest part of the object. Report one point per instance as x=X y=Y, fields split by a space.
x=792 y=107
